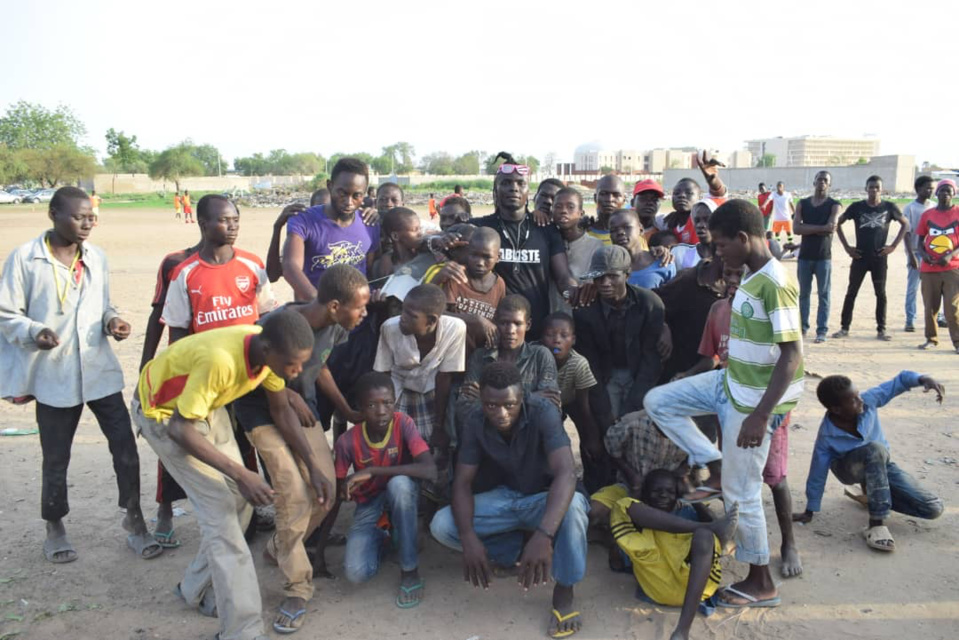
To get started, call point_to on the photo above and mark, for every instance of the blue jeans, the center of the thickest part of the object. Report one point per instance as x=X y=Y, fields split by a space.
x=671 y=407
x=888 y=487
x=912 y=290
x=365 y=542
x=822 y=269
x=618 y=388
x=502 y=515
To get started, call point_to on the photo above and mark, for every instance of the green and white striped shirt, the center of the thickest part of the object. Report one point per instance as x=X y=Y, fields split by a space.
x=765 y=313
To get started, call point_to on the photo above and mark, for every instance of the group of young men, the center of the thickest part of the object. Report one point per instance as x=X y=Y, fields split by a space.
x=456 y=357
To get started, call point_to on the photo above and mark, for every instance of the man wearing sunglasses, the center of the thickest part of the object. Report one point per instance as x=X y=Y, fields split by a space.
x=532 y=258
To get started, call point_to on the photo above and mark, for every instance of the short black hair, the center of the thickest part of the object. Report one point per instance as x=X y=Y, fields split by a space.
x=395 y=217
x=570 y=191
x=427 y=298
x=560 y=316
x=660 y=238
x=654 y=476
x=287 y=331
x=627 y=211
x=60 y=197
x=369 y=381
x=689 y=181
x=734 y=216
x=461 y=201
x=922 y=181
x=762 y=185
x=391 y=185
x=514 y=302
x=822 y=172
x=500 y=375
x=554 y=182
x=458 y=189
x=318 y=195
x=781 y=183
x=873 y=178
x=350 y=165
x=484 y=235
x=339 y=282
x=831 y=388
x=205 y=205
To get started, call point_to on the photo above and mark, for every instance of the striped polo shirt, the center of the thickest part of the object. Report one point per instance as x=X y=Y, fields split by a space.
x=765 y=313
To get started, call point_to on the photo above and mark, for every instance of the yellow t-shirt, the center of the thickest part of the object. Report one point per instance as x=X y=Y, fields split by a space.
x=95 y=201
x=203 y=372
x=185 y=199
x=660 y=559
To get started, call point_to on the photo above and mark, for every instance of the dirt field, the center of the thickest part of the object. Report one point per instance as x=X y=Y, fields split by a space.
x=847 y=590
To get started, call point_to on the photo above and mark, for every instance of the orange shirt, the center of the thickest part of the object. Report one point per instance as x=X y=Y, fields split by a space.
x=95 y=201
x=186 y=200
x=176 y=202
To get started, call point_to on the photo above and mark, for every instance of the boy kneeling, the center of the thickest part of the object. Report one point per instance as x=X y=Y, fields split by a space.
x=851 y=444
x=387 y=455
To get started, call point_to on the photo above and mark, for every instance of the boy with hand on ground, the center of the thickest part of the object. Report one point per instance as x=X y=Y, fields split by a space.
x=852 y=445
x=387 y=455
x=674 y=551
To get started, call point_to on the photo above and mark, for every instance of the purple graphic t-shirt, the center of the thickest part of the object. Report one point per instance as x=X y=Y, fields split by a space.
x=327 y=243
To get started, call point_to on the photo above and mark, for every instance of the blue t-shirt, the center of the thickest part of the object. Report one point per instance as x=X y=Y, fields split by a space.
x=327 y=243
x=653 y=276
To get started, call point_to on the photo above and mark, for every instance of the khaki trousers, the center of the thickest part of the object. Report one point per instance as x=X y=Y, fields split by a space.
x=939 y=286
x=223 y=561
x=298 y=513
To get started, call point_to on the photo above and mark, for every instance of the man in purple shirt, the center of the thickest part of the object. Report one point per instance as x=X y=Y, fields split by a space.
x=325 y=235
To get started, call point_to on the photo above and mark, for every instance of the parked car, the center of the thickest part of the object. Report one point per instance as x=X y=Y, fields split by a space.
x=9 y=198
x=40 y=195
x=20 y=193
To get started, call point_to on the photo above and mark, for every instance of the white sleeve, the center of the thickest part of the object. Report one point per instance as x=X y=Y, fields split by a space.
x=455 y=358
x=265 y=300
x=176 y=309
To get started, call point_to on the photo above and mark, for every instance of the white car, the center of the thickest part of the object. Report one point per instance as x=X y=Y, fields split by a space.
x=9 y=198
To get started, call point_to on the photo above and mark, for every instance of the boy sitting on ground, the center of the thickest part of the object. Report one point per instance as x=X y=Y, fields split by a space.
x=674 y=551
x=851 y=444
x=387 y=455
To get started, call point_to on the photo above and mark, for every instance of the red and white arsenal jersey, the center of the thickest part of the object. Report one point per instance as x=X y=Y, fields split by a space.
x=206 y=296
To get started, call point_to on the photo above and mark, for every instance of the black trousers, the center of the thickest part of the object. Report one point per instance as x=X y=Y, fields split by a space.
x=877 y=266
x=57 y=427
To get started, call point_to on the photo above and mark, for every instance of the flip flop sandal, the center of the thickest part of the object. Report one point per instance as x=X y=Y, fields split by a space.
x=296 y=621
x=711 y=494
x=167 y=540
x=875 y=536
x=560 y=619
x=144 y=545
x=408 y=591
x=752 y=602
x=60 y=544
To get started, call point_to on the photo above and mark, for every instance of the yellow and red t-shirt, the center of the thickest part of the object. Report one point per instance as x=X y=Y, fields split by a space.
x=204 y=296
x=940 y=233
x=201 y=373
x=176 y=203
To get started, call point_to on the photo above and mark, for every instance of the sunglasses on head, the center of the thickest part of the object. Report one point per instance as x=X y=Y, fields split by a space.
x=521 y=169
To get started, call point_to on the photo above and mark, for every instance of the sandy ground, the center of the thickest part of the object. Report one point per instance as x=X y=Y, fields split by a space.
x=847 y=590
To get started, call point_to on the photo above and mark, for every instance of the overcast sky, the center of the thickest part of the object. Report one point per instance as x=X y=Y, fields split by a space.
x=532 y=77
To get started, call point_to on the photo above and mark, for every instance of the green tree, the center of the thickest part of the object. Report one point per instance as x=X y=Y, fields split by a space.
x=533 y=163
x=32 y=126
x=176 y=163
x=767 y=160
x=862 y=161
x=255 y=165
x=61 y=162
x=467 y=164
x=13 y=165
x=124 y=155
x=400 y=157
x=438 y=164
x=209 y=157
x=605 y=169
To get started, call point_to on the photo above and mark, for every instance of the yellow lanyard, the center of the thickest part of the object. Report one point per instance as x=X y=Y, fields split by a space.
x=62 y=296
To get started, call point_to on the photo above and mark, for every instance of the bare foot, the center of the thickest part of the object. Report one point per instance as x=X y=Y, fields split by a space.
x=792 y=563
x=725 y=527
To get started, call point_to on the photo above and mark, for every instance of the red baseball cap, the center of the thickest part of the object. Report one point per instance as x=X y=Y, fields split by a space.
x=648 y=185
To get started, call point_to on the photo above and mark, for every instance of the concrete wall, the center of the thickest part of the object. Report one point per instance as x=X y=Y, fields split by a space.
x=142 y=183
x=897 y=173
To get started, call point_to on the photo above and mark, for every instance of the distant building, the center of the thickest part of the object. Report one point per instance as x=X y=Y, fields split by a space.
x=814 y=151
